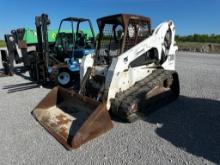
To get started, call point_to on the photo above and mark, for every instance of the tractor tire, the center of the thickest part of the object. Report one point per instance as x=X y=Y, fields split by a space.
x=65 y=78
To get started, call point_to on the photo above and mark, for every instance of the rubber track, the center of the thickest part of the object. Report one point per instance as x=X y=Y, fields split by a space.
x=135 y=96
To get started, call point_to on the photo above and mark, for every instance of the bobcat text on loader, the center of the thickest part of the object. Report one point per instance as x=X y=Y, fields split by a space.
x=132 y=70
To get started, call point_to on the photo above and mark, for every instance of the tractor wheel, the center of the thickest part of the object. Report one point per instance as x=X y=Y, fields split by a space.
x=64 y=78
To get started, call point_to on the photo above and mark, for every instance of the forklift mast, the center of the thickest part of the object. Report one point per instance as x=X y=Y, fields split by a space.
x=42 y=56
x=42 y=23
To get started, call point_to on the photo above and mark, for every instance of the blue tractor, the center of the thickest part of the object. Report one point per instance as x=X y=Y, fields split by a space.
x=60 y=63
x=75 y=39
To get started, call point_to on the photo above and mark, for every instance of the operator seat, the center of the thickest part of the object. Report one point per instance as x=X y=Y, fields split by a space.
x=80 y=40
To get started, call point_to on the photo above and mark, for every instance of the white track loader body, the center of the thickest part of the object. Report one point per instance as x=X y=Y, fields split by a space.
x=120 y=76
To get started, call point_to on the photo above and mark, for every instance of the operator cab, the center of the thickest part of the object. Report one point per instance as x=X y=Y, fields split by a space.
x=75 y=35
x=118 y=33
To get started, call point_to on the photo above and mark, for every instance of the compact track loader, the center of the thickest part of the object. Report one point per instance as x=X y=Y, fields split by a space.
x=132 y=70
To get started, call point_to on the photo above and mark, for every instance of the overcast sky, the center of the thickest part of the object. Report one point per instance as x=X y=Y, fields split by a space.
x=189 y=16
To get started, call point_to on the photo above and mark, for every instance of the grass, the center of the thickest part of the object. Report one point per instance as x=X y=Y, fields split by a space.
x=199 y=46
x=195 y=44
x=2 y=43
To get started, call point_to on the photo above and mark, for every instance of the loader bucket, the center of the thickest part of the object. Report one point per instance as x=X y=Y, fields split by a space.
x=71 y=118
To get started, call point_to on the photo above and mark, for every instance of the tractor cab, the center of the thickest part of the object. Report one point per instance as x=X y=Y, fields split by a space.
x=75 y=38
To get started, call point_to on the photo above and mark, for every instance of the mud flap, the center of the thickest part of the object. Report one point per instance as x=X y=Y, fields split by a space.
x=71 y=118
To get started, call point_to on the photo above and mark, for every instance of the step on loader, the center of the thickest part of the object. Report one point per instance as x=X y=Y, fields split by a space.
x=132 y=70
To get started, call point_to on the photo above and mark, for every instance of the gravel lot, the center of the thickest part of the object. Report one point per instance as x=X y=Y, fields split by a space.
x=186 y=131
